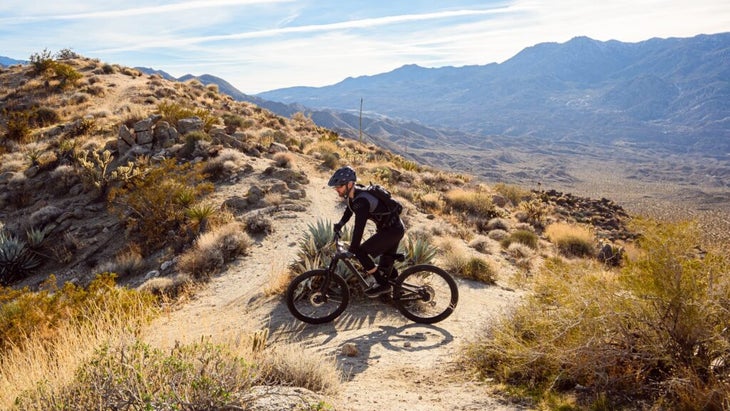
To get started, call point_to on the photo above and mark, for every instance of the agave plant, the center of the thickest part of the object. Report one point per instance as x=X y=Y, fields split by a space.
x=16 y=259
x=418 y=250
x=315 y=247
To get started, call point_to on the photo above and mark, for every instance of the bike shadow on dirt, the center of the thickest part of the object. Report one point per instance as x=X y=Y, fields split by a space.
x=358 y=337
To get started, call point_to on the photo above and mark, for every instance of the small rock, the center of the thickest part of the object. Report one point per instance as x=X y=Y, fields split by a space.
x=350 y=350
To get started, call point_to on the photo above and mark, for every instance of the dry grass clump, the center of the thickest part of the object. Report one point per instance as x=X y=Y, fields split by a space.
x=200 y=375
x=473 y=202
x=291 y=365
x=430 y=202
x=227 y=163
x=572 y=240
x=653 y=333
x=214 y=249
x=514 y=194
x=169 y=288
x=284 y=160
x=47 y=334
x=460 y=263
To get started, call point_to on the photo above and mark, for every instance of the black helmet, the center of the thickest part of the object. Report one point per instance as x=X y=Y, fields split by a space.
x=342 y=176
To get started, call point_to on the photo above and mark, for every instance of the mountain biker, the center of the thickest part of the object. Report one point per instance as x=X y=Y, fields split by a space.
x=389 y=229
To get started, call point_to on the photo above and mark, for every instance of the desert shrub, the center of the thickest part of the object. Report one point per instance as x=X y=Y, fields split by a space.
x=44 y=116
x=571 y=240
x=18 y=125
x=330 y=161
x=291 y=366
x=525 y=237
x=45 y=334
x=67 y=75
x=463 y=265
x=154 y=204
x=497 y=223
x=284 y=160
x=232 y=122
x=514 y=194
x=654 y=333
x=533 y=212
x=476 y=203
x=199 y=375
x=478 y=269
x=172 y=112
x=41 y=62
x=480 y=244
x=226 y=163
x=430 y=202
x=27 y=316
x=214 y=249
x=258 y=223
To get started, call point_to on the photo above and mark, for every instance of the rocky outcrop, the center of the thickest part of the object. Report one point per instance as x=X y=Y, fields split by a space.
x=608 y=218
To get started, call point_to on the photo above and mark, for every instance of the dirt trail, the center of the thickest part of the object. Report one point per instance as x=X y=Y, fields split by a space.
x=400 y=365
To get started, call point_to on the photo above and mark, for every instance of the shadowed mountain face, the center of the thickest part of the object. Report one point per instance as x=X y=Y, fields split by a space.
x=672 y=93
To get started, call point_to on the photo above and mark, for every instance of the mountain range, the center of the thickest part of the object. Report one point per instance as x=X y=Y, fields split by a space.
x=674 y=93
x=656 y=111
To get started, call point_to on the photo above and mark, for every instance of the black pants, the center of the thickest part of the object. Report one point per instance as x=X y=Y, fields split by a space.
x=384 y=241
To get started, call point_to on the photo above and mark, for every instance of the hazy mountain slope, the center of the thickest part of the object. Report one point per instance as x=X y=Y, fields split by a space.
x=673 y=92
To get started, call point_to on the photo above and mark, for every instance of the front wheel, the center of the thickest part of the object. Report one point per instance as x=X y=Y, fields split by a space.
x=425 y=294
x=312 y=303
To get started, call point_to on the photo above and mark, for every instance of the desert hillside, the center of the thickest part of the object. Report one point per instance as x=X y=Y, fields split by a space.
x=204 y=203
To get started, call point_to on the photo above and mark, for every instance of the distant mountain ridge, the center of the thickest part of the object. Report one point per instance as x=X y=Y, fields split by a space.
x=672 y=92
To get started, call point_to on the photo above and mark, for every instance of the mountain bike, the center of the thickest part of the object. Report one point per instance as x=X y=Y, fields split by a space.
x=423 y=293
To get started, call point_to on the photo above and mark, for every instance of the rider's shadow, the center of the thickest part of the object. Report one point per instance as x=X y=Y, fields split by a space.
x=356 y=354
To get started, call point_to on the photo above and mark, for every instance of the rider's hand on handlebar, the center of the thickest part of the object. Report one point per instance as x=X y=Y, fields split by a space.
x=338 y=227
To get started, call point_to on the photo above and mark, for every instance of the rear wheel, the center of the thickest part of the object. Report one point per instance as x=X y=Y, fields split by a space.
x=308 y=302
x=425 y=294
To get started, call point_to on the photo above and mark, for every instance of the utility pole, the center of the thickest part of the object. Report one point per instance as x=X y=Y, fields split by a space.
x=361 y=119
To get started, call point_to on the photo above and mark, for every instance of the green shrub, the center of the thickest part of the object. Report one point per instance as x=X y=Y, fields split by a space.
x=525 y=237
x=172 y=112
x=67 y=75
x=41 y=62
x=154 y=205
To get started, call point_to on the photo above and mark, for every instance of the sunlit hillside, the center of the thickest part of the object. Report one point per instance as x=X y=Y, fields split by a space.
x=148 y=228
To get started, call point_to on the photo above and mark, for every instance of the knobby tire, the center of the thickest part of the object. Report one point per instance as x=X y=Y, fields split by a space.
x=307 y=303
x=425 y=294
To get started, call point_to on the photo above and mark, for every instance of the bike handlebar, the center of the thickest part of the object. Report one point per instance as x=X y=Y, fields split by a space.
x=340 y=246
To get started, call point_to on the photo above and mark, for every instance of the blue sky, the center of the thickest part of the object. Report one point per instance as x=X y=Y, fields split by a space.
x=259 y=45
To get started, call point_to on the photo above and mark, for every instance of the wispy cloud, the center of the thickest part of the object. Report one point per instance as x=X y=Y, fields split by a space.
x=137 y=11
x=263 y=44
x=344 y=25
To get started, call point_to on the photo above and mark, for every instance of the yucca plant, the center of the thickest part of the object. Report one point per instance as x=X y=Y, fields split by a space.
x=16 y=259
x=200 y=215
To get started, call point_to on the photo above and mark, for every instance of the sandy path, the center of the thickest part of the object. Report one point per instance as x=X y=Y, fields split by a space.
x=400 y=365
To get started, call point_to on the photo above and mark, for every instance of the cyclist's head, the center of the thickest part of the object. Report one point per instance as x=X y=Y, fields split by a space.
x=342 y=176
